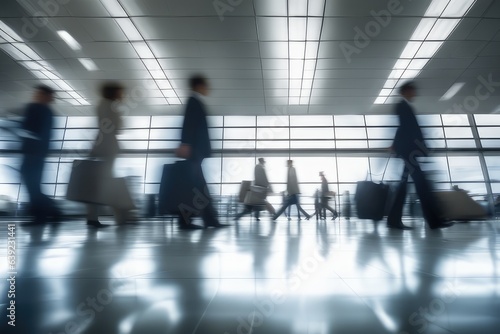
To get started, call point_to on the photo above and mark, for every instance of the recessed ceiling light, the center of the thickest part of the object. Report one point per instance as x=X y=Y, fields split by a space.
x=129 y=29
x=454 y=89
x=423 y=29
x=114 y=8
x=8 y=34
x=89 y=64
x=458 y=8
x=72 y=43
x=442 y=29
x=143 y=50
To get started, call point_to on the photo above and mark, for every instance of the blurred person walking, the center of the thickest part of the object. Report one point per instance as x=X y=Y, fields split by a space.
x=325 y=197
x=106 y=147
x=292 y=189
x=195 y=147
x=37 y=126
x=409 y=145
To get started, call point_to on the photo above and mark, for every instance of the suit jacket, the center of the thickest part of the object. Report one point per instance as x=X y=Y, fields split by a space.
x=110 y=123
x=195 y=130
x=38 y=123
x=292 y=184
x=409 y=139
x=324 y=188
x=260 y=176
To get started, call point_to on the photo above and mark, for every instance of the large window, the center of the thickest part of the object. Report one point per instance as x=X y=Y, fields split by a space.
x=347 y=148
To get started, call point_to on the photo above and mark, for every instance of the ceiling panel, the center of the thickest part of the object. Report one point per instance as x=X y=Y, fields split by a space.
x=207 y=28
x=244 y=51
x=356 y=8
x=485 y=30
x=87 y=8
x=175 y=49
x=492 y=49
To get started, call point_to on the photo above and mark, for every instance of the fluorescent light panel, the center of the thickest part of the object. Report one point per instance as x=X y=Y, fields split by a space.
x=8 y=34
x=423 y=29
x=428 y=49
x=66 y=37
x=41 y=69
x=88 y=63
x=458 y=8
x=436 y=8
x=14 y=52
x=297 y=8
x=114 y=8
x=442 y=29
x=143 y=50
x=129 y=29
x=454 y=89
x=440 y=20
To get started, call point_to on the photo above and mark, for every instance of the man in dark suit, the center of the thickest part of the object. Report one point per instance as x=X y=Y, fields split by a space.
x=409 y=145
x=195 y=146
x=37 y=126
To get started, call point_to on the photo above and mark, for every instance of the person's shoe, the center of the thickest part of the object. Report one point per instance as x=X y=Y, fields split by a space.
x=289 y=218
x=96 y=223
x=399 y=226
x=216 y=224
x=190 y=227
x=258 y=219
x=441 y=225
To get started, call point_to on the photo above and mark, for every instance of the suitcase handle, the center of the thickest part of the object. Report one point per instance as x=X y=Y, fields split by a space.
x=383 y=174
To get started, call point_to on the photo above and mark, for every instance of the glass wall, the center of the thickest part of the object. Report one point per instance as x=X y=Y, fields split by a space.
x=347 y=148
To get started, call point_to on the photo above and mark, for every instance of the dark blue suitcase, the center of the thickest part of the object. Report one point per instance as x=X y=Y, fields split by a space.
x=371 y=200
x=176 y=188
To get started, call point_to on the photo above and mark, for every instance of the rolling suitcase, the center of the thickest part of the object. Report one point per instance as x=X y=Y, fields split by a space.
x=458 y=205
x=371 y=198
x=176 y=188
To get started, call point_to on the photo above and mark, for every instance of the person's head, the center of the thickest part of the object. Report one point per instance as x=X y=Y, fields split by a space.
x=262 y=161
x=43 y=94
x=112 y=91
x=408 y=90
x=289 y=163
x=321 y=174
x=198 y=83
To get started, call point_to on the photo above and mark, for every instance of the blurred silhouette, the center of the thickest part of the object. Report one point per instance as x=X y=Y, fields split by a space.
x=37 y=126
x=260 y=180
x=292 y=189
x=409 y=145
x=346 y=208
x=325 y=195
x=195 y=147
x=106 y=146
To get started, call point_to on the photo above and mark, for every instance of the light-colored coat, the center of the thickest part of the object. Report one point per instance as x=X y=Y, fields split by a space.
x=292 y=184
x=110 y=123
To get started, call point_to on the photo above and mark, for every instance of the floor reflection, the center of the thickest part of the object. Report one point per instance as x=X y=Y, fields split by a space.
x=256 y=277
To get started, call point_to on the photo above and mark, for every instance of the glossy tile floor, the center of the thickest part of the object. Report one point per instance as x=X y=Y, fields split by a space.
x=255 y=277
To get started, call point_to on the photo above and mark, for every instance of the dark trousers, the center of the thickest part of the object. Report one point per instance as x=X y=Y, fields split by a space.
x=291 y=200
x=202 y=203
x=424 y=191
x=325 y=206
x=41 y=206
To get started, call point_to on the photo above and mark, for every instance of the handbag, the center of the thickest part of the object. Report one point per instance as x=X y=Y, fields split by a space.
x=91 y=182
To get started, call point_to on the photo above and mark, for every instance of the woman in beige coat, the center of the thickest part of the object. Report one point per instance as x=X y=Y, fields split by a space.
x=106 y=146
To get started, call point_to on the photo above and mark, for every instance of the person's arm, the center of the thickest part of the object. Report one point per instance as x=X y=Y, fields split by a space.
x=402 y=125
x=30 y=125
x=189 y=127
